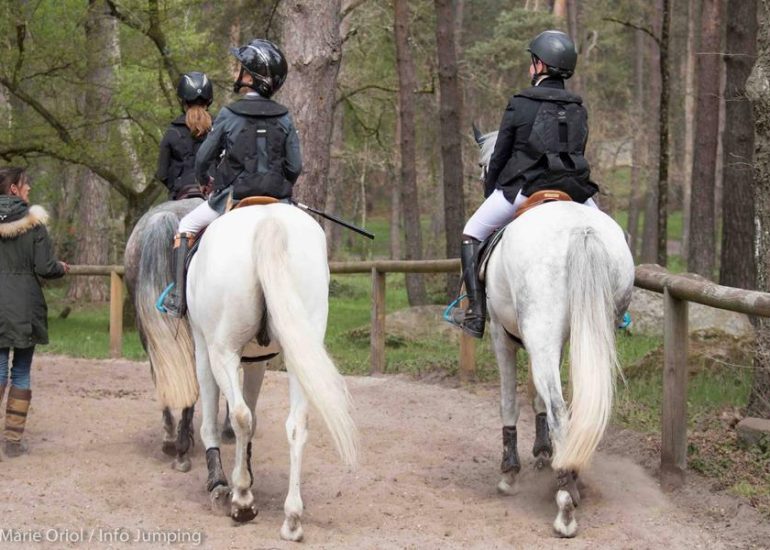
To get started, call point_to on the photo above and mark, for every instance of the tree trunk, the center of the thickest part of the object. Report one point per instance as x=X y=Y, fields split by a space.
x=662 y=194
x=312 y=45
x=758 y=89
x=652 y=134
x=700 y=255
x=737 y=266
x=407 y=82
x=689 y=121
x=639 y=159
x=93 y=205
x=451 y=144
x=335 y=184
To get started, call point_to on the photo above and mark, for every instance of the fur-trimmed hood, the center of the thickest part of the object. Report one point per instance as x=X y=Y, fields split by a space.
x=36 y=215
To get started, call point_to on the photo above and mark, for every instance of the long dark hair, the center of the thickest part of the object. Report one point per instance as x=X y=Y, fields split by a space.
x=11 y=175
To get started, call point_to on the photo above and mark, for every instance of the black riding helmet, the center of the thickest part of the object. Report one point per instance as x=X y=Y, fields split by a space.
x=557 y=52
x=195 y=87
x=265 y=62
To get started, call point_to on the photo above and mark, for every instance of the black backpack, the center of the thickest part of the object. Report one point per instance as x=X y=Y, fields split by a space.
x=254 y=164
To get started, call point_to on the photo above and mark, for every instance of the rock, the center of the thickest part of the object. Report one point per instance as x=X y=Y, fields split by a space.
x=413 y=324
x=647 y=318
x=752 y=431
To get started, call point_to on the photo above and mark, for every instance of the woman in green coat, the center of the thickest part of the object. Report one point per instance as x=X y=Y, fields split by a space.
x=25 y=255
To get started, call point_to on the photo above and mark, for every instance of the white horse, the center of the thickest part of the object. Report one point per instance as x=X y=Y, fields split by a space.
x=262 y=271
x=561 y=272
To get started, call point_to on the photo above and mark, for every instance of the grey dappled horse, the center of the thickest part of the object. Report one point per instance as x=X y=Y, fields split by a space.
x=561 y=272
x=167 y=341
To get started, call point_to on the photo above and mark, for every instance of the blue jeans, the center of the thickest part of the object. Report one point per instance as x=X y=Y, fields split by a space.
x=22 y=362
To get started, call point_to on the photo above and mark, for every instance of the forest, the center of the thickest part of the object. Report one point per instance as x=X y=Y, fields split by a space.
x=385 y=95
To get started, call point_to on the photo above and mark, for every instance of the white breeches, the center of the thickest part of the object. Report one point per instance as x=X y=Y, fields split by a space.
x=198 y=218
x=495 y=212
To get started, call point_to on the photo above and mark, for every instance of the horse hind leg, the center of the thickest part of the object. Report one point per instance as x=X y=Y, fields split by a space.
x=225 y=366
x=216 y=483
x=545 y=375
x=505 y=351
x=185 y=440
x=296 y=431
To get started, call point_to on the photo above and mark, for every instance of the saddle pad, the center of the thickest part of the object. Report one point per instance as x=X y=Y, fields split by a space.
x=485 y=251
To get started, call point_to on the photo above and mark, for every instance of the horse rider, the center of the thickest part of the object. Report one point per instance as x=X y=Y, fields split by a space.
x=258 y=145
x=540 y=145
x=184 y=136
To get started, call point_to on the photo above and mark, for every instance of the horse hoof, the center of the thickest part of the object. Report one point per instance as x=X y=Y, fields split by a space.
x=228 y=436
x=182 y=465
x=543 y=460
x=242 y=515
x=291 y=529
x=169 y=448
x=508 y=485
x=219 y=498
x=565 y=524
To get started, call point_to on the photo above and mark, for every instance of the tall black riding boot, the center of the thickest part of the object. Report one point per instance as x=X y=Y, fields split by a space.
x=472 y=320
x=176 y=300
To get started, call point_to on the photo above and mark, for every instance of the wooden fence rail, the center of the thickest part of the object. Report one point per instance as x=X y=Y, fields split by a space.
x=677 y=291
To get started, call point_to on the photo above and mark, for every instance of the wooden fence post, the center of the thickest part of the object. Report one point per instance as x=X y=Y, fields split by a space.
x=116 y=315
x=673 y=459
x=467 y=354
x=377 y=337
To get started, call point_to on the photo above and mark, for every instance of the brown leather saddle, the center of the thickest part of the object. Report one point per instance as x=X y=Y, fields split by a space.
x=535 y=200
x=542 y=197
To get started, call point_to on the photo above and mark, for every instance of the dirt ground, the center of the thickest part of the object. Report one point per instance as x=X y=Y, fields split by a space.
x=96 y=477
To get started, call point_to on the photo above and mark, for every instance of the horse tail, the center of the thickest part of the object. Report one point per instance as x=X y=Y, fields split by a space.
x=168 y=341
x=289 y=322
x=593 y=360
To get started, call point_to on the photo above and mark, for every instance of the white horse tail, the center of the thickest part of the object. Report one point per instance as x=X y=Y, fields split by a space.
x=593 y=360
x=167 y=340
x=290 y=323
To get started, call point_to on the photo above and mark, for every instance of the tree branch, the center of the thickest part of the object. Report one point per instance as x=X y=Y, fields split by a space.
x=38 y=108
x=40 y=149
x=645 y=30
x=352 y=5
x=348 y=95
x=153 y=31
x=270 y=19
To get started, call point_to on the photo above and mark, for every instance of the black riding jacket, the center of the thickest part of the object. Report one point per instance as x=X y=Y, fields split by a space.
x=176 y=162
x=541 y=144
x=256 y=147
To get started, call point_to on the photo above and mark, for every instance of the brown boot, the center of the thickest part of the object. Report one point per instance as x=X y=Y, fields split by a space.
x=15 y=420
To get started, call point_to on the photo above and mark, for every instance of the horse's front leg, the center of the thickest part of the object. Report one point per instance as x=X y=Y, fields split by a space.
x=169 y=428
x=184 y=440
x=505 y=351
x=296 y=431
x=542 y=450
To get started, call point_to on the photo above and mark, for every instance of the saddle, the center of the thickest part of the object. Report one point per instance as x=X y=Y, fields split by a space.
x=536 y=199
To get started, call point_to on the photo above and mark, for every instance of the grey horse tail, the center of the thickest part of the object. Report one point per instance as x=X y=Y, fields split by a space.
x=168 y=341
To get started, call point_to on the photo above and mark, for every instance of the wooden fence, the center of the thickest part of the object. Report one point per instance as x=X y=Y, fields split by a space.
x=677 y=291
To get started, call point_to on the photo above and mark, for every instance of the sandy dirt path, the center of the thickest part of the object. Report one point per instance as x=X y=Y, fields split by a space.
x=427 y=480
